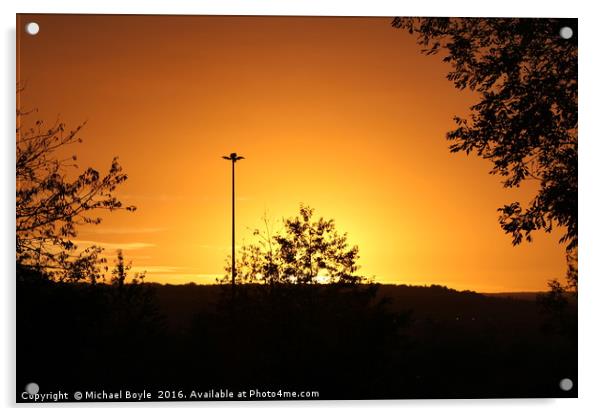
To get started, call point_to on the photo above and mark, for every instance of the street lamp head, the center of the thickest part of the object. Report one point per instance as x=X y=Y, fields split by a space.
x=233 y=157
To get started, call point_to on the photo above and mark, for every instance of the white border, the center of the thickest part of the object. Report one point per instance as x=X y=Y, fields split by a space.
x=589 y=187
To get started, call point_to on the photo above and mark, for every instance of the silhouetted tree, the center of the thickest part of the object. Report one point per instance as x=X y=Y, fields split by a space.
x=49 y=205
x=130 y=302
x=525 y=122
x=120 y=272
x=306 y=251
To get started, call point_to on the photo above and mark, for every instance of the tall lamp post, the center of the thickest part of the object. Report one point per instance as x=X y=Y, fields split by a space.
x=234 y=158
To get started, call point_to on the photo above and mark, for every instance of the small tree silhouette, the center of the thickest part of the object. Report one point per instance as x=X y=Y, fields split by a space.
x=120 y=272
x=306 y=251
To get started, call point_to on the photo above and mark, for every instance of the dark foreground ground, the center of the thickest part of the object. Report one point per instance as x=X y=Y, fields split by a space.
x=367 y=342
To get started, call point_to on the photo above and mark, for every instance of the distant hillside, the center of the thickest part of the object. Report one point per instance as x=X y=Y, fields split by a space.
x=532 y=296
x=432 y=303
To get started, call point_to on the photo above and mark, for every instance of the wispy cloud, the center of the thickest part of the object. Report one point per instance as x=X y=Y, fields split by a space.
x=216 y=247
x=127 y=230
x=114 y=246
x=190 y=197
x=134 y=257
x=154 y=197
x=156 y=269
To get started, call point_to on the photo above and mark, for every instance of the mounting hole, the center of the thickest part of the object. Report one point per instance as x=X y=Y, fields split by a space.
x=566 y=32
x=32 y=388
x=32 y=28
x=566 y=384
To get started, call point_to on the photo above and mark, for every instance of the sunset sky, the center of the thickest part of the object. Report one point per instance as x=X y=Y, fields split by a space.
x=342 y=114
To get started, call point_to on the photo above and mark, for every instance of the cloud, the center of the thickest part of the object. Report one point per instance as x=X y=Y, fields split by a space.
x=154 y=197
x=134 y=257
x=217 y=247
x=156 y=269
x=114 y=246
x=173 y=197
x=126 y=230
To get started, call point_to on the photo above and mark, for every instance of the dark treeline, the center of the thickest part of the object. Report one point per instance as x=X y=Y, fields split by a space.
x=345 y=341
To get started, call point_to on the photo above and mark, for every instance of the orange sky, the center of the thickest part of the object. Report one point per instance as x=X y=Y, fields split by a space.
x=343 y=114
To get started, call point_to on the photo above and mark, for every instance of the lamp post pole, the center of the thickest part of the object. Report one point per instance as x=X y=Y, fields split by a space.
x=234 y=158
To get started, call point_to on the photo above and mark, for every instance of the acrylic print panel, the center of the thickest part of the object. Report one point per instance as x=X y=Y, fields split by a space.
x=295 y=208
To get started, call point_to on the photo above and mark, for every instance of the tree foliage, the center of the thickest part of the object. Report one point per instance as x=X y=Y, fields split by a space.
x=51 y=201
x=305 y=251
x=526 y=120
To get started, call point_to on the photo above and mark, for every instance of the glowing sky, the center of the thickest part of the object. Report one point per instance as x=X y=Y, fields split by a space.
x=342 y=114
